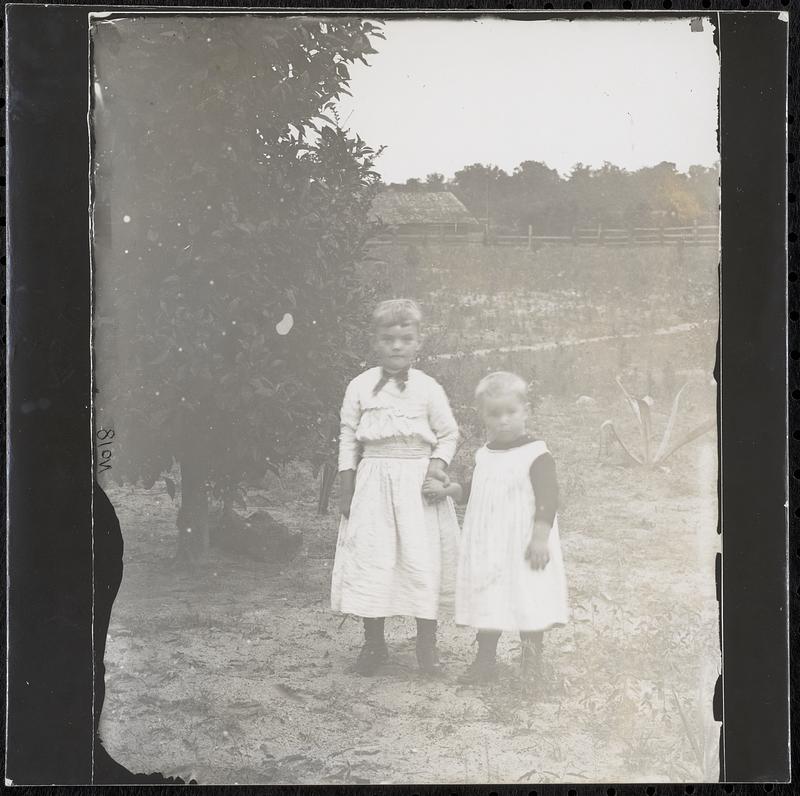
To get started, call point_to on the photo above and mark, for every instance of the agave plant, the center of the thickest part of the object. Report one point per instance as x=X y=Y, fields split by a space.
x=641 y=409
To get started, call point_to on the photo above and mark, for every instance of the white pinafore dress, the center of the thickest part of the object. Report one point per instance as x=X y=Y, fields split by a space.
x=496 y=589
x=396 y=555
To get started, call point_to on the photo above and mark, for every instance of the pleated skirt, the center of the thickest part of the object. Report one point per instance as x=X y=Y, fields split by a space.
x=396 y=555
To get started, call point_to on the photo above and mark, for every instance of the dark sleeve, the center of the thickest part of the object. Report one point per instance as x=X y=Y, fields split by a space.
x=545 y=487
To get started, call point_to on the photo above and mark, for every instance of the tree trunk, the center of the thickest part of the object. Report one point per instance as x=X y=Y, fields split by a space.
x=192 y=522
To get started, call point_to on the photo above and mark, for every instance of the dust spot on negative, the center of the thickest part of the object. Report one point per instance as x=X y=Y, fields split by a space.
x=284 y=326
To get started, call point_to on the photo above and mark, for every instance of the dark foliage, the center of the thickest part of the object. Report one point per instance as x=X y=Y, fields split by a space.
x=230 y=212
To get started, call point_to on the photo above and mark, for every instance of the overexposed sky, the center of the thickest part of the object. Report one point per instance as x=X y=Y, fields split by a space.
x=441 y=94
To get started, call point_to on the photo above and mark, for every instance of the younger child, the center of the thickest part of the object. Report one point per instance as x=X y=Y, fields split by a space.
x=510 y=570
x=396 y=553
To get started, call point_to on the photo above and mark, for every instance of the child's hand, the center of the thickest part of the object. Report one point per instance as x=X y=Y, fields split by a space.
x=436 y=469
x=434 y=490
x=537 y=553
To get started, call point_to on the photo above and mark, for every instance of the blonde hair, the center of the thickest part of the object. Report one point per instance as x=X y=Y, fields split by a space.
x=501 y=383
x=397 y=312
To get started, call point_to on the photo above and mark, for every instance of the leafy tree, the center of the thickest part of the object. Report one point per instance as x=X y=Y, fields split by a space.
x=537 y=195
x=668 y=191
x=435 y=182
x=481 y=189
x=231 y=210
x=534 y=195
x=703 y=183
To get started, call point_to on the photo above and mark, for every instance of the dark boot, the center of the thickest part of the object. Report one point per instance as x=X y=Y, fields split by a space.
x=484 y=668
x=374 y=653
x=427 y=655
x=531 y=661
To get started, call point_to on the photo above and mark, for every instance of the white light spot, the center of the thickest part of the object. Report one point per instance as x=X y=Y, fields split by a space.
x=284 y=326
x=179 y=223
x=188 y=530
x=179 y=348
x=210 y=281
x=208 y=40
x=158 y=393
x=126 y=219
x=126 y=251
x=233 y=323
x=182 y=398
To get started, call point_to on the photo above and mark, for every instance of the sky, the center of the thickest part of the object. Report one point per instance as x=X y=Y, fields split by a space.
x=441 y=94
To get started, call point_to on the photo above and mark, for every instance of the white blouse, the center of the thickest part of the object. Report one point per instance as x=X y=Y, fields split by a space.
x=419 y=411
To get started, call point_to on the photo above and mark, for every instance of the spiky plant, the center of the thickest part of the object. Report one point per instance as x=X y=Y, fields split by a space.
x=641 y=410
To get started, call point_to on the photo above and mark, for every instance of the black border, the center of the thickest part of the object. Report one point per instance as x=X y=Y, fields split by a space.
x=49 y=491
x=752 y=343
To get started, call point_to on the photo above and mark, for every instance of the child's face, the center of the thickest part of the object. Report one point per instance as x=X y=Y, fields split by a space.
x=397 y=345
x=504 y=417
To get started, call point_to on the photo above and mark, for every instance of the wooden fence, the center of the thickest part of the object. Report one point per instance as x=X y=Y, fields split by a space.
x=695 y=235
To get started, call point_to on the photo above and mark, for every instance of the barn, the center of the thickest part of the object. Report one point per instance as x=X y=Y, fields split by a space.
x=424 y=213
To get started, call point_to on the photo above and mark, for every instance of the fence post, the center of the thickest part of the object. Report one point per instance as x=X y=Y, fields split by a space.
x=694 y=231
x=530 y=237
x=600 y=240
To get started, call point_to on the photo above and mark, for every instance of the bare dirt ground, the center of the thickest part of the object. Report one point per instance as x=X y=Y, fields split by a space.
x=238 y=673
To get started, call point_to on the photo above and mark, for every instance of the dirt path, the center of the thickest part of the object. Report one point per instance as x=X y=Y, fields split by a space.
x=239 y=673
x=681 y=328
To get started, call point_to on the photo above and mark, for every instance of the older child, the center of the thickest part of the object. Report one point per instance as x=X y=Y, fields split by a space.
x=510 y=569
x=396 y=552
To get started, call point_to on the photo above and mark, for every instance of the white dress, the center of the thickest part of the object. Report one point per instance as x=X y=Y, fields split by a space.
x=396 y=555
x=496 y=589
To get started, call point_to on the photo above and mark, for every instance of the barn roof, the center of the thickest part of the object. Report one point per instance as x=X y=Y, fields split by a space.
x=419 y=207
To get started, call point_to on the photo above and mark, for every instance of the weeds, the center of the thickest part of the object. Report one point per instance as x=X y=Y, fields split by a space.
x=641 y=410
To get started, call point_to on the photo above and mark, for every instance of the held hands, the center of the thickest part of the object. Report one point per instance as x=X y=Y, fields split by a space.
x=536 y=553
x=433 y=490
x=435 y=486
x=436 y=469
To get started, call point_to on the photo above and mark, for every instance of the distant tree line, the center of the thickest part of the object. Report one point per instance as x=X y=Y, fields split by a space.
x=534 y=194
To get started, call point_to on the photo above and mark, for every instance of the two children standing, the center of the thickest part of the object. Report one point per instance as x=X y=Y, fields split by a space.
x=399 y=551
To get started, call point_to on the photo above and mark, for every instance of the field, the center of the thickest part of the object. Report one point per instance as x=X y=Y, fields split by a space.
x=239 y=672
